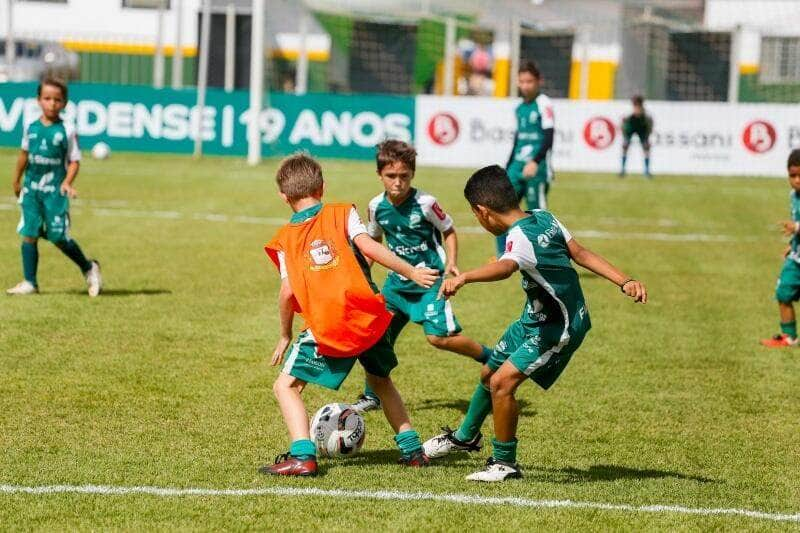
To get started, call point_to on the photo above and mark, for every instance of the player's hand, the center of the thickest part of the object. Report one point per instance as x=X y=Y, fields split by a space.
x=280 y=349
x=17 y=188
x=530 y=168
x=450 y=286
x=789 y=227
x=451 y=270
x=636 y=290
x=424 y=277
x=68 y=191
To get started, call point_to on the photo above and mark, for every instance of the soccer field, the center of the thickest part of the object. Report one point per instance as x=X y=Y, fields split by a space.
x=163 y=381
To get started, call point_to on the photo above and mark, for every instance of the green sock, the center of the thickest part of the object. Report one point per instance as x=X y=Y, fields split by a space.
x=368 y=391
x=479 y=408
x=303 y=449
x=486 y=353
x=505 y=451
x=74 y=252
x=30 y=261
x=408 y=442
x=789 y=328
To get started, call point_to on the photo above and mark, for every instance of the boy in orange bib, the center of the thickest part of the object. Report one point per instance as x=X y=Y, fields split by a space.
x=322 y=258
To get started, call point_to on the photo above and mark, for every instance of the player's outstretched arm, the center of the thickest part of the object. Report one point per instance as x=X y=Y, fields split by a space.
x=499 y=270
x=424 y=277
x=597 y=264
x=286 y=312
x=19 y=170
x=451 y=250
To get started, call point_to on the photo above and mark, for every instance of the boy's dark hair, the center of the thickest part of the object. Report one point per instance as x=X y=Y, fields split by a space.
x=637 y=100
x=393 y=150
x=491 y=188
x=794 y=158
x=52 y=82
x=299 y=176
x=531 y=68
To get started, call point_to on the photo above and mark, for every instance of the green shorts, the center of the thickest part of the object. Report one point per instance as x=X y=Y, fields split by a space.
x=303 y=362
x=536 y=193
x=642 y=133
x=538 y=353
x=43 y=215
x=534 y=189
x=435 y=316
x=788 y=289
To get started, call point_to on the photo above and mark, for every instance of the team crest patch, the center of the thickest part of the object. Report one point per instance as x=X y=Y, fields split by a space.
x=57 y=138
x=322 y=255
x=543 y=240
x=414 y=219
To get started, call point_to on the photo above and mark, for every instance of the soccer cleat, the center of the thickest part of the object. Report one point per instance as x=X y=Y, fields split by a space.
x=22 y=288
x=779 y=341
x=417 y=459
x=286 y=465
x=496 y=471
x=366 y=403
x=446 y=443
x=94 y=279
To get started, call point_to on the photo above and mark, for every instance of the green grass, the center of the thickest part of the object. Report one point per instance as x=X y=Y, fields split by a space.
x=164 y=380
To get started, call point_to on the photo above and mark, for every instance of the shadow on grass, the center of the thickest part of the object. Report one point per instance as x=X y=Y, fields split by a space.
x=605 y=473
x=390 y=457
x=463 y=404
x=115 y=292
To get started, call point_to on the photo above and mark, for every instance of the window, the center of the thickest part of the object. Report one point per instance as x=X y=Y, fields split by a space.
x=146 y=4
x=780 y=60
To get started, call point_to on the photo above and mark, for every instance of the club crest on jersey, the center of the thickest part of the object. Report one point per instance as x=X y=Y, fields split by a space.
x=534 y=116
x=414 y=219
x=323 y=255
x=57 y=138
x=543 y=240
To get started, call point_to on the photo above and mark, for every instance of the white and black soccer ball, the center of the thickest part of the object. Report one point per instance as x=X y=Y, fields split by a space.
x=338 y=430
x=101 y=151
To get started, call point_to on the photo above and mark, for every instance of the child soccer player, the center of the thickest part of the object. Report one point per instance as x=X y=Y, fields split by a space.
x=788 y=290
x=322 y=257
x=638 y=123
x=415 y=227
x=49 y=159
x=553 y=324
x=529 y=167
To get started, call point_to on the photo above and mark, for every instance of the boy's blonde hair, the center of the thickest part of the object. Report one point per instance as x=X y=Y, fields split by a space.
x=299 y=176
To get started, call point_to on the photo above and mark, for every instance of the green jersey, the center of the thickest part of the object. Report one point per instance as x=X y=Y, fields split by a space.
x=538 y=244
x=795 y=243
x=50 y=149
x=413 y=231
x=641 y=125
x=533 y=118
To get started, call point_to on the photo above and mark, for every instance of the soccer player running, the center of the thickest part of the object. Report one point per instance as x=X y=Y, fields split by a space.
x=552 y=326
x=49 y=159
x=419 y=231
x=638 y=123
x=788 y=290
x=529 y=167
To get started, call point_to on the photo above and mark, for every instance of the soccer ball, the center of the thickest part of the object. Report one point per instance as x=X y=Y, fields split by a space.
x=338 y=430
x=101 y=150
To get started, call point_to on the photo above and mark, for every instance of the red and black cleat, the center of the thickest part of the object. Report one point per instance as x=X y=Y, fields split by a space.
x=286 y=465
x=417 y=459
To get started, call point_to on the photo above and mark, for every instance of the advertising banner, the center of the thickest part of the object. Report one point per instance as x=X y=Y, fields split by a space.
x=688 y=138
x=135 y=118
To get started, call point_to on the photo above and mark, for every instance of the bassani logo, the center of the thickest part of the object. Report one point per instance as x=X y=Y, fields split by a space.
x=443 y=128
x=759 y=136
x=599 y=133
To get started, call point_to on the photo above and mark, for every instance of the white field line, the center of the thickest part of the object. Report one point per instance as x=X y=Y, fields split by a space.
x=276 y=221
x=464 y=499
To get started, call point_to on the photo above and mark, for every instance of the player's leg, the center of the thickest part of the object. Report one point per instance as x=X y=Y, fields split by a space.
x=646 y=150
x=786 y=292
x=442 y=328
x=626 y=143
x=56 y=207
x=536 y=193
x=29 y=228
x=468 y=436
x=378 y=363
x=303 y=365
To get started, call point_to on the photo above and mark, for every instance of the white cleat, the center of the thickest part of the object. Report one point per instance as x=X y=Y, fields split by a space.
x=446 y=443
x=22 y=288
x=366 y=403
x=496 y=471
x=94 y=280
